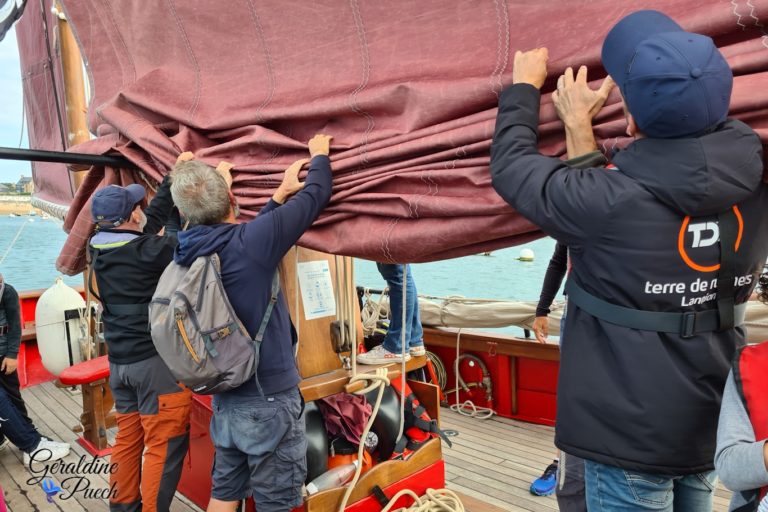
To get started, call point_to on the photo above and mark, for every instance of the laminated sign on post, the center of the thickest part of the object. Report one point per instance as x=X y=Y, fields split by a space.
x=316 y=289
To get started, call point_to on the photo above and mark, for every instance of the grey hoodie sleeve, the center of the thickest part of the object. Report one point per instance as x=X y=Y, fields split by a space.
x=739 y=460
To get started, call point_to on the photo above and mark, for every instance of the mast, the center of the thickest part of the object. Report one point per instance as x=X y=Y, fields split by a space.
x=74 y=88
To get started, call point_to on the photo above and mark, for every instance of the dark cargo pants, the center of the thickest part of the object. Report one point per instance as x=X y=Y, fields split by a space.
x=152 y=414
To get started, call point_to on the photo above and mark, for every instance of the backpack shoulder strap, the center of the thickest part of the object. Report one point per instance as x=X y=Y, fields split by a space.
x=268 y=313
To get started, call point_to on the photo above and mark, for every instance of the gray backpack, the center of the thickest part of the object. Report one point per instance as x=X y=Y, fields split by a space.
x=196 y=332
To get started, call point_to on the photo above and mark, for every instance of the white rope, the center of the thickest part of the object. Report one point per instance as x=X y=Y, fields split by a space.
x=378 y=380
x=296 y=303
x=348 y=289
x=441 y=500
x=403 y=351
x=15 y=239
x=468 y=408
x=373 y=311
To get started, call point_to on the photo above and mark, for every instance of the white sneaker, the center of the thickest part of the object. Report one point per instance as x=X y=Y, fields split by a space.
x=4 y=444
x=380 y=355
x=418 y=351
x=54 y=451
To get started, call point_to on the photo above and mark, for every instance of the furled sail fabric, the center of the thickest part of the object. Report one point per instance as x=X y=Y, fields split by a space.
x=408 y=90
x=43 y=86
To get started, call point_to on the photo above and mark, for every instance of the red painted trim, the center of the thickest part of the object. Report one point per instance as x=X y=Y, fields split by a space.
x=91 y=448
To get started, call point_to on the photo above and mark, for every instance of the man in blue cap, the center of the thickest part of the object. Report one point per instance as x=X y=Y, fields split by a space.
x=128 y=258
x=665 y=247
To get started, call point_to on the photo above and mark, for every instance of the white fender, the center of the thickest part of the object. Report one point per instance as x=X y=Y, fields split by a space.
x=52 y=327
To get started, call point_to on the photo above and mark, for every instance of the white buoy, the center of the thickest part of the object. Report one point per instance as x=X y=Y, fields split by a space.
x=526 y=255
x=53 y=329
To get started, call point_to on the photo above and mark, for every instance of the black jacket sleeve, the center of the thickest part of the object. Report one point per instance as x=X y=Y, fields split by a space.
x=569 y=204
x=161 y=211
x=556 y=270
x=558 y=264
x=13 y=315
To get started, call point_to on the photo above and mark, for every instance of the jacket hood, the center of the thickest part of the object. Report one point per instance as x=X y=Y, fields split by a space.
x=698 y=176
x=202 y=241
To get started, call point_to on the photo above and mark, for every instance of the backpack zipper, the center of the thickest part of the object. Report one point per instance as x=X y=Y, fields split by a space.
x=185 y=337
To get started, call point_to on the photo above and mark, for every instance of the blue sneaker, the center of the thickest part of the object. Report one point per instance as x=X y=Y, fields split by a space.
x=547 y=482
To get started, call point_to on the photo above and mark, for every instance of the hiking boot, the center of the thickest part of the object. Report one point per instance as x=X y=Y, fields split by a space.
x=547 y=482
x=380 y=355
x=418 y=351
x=53 y=451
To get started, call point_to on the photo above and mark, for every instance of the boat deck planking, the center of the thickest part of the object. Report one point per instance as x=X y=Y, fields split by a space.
x=491 y=464
x=496 y=460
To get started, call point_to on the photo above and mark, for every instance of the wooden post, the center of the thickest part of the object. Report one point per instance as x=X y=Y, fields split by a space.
x=316 y=355
x=74 y=89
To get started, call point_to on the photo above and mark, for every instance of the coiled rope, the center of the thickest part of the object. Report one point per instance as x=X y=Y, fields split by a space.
x=468 y=408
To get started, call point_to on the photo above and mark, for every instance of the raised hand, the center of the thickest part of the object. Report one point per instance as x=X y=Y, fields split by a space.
x=320 y=145
x=291 y=183
x=530 y=67
x=575 y=101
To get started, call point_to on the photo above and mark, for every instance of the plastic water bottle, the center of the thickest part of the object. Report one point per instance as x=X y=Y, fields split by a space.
x=336 y=477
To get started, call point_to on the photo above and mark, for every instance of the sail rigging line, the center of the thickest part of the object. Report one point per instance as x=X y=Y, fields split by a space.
x=296 y=300
x=23 y=121
x=59 y=116
x=15 y=239
x=404 y=350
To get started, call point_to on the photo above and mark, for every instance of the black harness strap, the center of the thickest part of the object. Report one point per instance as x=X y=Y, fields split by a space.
x=726 y=316
x=726 y=276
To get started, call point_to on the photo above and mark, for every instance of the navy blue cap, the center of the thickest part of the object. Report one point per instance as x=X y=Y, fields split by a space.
x=113 y=204
x=674 y=83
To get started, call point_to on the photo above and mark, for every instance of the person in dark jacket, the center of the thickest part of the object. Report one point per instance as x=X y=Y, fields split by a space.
x=10 y=341
x=128 y=257
x=639 y=391
x=259 y=439
x=15 y=424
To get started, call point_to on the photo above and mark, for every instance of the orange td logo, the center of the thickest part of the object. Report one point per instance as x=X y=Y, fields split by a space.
x=703 y=234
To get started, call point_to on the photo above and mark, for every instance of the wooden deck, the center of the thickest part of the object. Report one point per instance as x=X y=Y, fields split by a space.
x=492 y=462
x=496 y=460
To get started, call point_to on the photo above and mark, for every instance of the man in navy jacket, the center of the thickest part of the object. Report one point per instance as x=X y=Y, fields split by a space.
x=259 y=439
x=655 y=308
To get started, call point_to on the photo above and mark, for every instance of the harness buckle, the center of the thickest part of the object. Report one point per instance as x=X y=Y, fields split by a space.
x=688 y=325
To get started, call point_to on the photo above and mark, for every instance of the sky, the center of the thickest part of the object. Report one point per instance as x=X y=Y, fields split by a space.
x=11 y=108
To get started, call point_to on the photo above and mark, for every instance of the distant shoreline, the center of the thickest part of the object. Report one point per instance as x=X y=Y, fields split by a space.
x=19 y=205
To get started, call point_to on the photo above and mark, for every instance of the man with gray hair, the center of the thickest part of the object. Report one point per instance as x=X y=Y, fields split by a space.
x=259 y=438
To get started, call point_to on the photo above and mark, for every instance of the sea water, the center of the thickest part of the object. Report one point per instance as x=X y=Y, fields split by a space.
x=30 y=264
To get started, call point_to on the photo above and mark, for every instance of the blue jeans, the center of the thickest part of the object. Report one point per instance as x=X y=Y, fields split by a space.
x=393 y=274
x=613 y=489
x=13 y=425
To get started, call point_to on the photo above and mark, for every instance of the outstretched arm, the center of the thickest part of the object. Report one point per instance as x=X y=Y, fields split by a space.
x=569 y=204
x=161 y=209
x=272 y=233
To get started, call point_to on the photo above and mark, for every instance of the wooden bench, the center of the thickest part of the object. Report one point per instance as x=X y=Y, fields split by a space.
x=97 y=417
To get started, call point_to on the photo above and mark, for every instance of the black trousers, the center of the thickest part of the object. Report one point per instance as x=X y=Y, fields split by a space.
x=10 y=384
